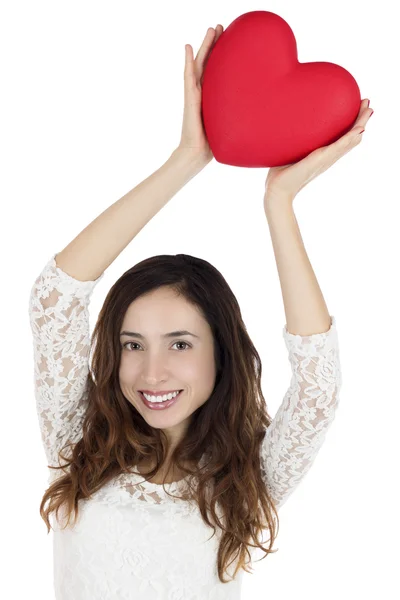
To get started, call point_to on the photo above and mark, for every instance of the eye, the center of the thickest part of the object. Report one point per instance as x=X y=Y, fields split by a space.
x=128 y=343
x=136 y=344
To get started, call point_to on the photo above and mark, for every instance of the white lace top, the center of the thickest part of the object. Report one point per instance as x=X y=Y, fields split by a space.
x=132 y=541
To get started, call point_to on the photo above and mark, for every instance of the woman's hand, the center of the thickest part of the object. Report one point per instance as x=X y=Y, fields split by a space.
x=194 y=140
x=288 y=180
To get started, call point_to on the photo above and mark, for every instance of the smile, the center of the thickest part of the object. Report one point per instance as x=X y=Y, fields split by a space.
x=159 y=405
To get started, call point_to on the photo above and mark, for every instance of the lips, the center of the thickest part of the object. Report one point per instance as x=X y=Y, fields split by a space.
x=157 y=406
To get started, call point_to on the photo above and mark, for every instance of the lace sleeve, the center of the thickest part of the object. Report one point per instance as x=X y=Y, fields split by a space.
x=59 y=319
x=299 y=427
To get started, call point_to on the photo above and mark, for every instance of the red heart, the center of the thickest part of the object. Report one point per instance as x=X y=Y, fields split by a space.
x=261 y=107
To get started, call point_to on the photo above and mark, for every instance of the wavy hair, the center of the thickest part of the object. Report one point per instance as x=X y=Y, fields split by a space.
x=228 y=428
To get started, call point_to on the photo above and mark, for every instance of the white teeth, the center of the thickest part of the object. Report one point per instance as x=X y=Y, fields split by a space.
x=160 y=398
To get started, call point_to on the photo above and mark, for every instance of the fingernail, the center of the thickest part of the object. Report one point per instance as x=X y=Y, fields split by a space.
x=371 y=114
x=368 y=104
x=362 y=131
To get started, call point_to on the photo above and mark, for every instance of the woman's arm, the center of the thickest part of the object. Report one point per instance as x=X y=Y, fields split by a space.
x=99 y=244
x=305 y=308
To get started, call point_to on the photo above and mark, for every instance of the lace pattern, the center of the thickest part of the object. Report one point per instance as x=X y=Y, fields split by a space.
x=308 y=409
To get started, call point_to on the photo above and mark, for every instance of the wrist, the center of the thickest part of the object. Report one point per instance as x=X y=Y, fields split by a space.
x=278 y=201
x=191 y=158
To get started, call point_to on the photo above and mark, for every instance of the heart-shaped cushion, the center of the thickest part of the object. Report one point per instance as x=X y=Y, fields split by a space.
x=261 y=107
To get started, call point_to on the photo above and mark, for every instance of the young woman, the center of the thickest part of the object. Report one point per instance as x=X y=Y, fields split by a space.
x=173 y=468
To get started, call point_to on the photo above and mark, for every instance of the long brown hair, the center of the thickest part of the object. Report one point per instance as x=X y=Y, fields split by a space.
x=229 y=427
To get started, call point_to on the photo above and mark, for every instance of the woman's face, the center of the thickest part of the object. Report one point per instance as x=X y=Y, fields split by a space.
x=159 y=362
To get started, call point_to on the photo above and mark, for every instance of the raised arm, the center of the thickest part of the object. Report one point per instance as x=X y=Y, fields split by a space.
x=60 y=296
x=99 y=244
x=299 y=427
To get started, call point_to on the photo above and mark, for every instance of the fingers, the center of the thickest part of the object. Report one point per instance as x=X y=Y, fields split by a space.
x=352 y=138
x=363 y=115
x=363 y=106
x=194 y=68
x=209 y=41
x=189 y=69
x=201 y=55
x=206 y=45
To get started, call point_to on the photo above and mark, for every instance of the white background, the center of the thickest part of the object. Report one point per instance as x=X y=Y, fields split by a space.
x=92 y=104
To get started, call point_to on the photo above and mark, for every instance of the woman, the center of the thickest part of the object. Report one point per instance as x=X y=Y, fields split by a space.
x=169 y=445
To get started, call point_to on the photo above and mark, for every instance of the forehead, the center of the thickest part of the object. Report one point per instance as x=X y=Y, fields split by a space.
x=162 y=306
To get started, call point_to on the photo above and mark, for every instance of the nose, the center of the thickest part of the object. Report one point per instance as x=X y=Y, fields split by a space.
x=154 y=370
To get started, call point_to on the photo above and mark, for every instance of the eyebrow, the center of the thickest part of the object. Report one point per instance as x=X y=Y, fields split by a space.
x=166 y=335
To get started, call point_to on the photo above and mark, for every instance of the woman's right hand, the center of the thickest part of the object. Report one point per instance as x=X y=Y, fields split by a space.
x=288 y=180
x=194 y=139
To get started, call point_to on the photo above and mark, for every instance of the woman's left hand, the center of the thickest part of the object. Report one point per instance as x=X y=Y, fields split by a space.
x=194 y=140
x=288 y=180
